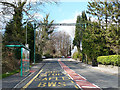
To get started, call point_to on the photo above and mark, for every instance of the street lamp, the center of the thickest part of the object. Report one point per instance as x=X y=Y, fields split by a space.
x=26 y=27
x=34 y=36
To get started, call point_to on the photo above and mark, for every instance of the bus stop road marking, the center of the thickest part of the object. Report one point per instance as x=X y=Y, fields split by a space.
x=32 y=79
x=32 y=71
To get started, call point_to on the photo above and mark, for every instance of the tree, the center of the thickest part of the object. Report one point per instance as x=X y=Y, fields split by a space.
x=80 y=27
x=92 y=42
x=17 y=10
x=113 y=32
x=11 y=34
x=70 y=50
x=60 y=42
x=44 y=32
x=16 y=22
x=78 y=34
x=113 y=38
x=103 y=10
x=107 y=13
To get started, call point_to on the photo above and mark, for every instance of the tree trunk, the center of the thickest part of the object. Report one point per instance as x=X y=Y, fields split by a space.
x=86 y=58
x=94 y=62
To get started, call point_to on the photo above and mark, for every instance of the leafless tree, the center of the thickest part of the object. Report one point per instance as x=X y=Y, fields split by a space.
x=10 y=7
x=59 y=44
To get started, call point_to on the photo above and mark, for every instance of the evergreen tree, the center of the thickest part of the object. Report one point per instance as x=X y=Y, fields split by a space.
x=92 y=42
x=107 y=13
x=80 y=28
x=78 y=33
x=14 y=29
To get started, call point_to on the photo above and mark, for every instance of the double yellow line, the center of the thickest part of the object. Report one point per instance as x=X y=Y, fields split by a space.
x=32 y=79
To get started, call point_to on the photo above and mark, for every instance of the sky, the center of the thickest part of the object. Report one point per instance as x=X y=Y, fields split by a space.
x=64 y=12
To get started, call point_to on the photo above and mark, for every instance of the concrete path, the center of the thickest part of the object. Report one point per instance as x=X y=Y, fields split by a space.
x=107 y=69
x=100 y=78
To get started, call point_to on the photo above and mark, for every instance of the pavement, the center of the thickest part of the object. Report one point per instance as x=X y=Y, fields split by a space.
x=107 y=69
x=101 y=78
x=14 y=80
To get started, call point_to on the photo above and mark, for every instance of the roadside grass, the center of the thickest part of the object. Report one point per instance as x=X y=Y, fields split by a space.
x=9 y=74
x=13 y=72
x=31 y=64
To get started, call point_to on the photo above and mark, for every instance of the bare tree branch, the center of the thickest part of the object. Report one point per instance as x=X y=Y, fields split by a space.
x=7 y=3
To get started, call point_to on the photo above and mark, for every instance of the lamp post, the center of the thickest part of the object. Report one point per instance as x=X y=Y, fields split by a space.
x=28 y=20
x=34 y=36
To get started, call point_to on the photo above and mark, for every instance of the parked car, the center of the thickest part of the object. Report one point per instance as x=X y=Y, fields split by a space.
x=69 y=57
x=43 y=57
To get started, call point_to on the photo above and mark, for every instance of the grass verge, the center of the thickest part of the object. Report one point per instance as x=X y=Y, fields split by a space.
x=9 y=73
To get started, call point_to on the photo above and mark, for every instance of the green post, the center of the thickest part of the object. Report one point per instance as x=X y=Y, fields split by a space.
x=21 y=61
x=34 y=44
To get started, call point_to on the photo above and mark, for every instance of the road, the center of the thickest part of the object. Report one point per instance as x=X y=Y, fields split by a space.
x=62 y=73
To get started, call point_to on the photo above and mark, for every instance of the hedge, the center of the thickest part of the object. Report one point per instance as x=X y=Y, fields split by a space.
x=111 y=59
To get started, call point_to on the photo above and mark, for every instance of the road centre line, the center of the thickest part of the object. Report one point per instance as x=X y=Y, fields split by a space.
x=32 y=79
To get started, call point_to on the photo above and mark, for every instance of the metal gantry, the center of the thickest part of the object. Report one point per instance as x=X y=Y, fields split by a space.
x=61 y=24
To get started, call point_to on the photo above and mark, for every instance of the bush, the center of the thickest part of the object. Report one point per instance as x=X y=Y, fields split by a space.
x=38 y=57
x=111 y=59
x=77 y=55
x=47 y=55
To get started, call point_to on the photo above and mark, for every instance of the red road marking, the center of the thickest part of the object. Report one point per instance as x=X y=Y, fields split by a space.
x=32 y=71
x=80 y=81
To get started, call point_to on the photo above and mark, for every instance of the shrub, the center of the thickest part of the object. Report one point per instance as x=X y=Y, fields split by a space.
x=77 y=55
x=111 y=59
x=47 y=55
x=38 y=57
x=80 y=56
